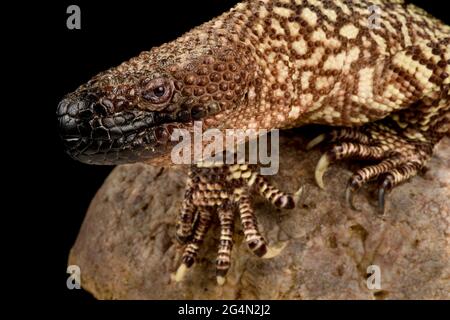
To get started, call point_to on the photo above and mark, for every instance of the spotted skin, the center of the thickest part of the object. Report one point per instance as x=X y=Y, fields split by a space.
x=382 y=81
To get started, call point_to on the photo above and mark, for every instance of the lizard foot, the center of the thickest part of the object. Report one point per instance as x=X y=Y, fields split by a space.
x=224 y=190
x=398 y=158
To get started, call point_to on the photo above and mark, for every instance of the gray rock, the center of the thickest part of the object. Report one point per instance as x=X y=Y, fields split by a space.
x=126 y=248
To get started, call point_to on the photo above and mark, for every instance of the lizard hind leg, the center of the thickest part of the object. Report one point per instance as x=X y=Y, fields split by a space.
x=362 y=176
x=346 y=150
x=399 y=159
x=341 y=134
x=398 y=175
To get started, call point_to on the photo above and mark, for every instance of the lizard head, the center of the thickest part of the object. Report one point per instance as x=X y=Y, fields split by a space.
x=128 y=113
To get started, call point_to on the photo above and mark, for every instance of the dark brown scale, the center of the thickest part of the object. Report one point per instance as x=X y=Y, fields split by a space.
x=198 y=91
x=211 y=88
x=215 y=77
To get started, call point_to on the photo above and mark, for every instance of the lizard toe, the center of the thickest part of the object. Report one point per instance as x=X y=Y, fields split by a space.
x=396 y=158
x=225 y=190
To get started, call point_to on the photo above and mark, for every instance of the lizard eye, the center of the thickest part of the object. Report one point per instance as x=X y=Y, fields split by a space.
x=157 y=91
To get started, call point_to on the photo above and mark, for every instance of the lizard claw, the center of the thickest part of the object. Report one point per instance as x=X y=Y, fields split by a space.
x=181 y=272
x=297 y=195
x=349 y=192
x=352 y=186
x=274 y=250
x=220 y=280
x=381 y=195
x=314 y=142
x=385 y=186
x=321 y=167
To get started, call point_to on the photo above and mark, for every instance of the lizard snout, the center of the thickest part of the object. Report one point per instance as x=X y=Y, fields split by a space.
x=93 y=132
x=77 y=126
x=70 y=112
x=76 y=115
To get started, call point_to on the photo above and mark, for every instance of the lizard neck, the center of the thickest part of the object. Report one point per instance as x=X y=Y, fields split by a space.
x=268 y=45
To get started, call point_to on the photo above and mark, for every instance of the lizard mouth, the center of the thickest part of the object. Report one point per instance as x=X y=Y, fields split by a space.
x=94 y=135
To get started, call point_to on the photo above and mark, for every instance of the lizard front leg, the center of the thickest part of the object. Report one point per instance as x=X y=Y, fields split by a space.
x=224 y=190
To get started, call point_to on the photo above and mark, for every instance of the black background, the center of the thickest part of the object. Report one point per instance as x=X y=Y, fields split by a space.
x=110 y=34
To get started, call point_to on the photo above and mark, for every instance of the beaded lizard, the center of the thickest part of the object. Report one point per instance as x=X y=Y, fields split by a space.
x=383 y=84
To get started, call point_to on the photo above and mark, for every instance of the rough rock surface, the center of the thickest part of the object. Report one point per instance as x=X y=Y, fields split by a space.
x=127 y=249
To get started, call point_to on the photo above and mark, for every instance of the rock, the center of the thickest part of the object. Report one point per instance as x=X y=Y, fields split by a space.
x=126 y=247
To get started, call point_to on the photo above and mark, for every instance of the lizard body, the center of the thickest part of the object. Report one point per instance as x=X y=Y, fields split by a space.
x=378 y=71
